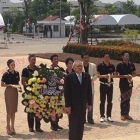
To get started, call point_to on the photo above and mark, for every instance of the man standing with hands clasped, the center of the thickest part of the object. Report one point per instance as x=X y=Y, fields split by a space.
x=77 y=92
x=125 y=70
x=105 y=73
x=91 y=69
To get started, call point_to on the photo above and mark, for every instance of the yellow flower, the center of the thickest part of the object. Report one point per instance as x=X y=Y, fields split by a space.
x=40 y=109
x=62 y=102
x=30 y=106
x=29 y=97
x=43 y=105
x=38 y=80
x=46 y=97
x=52 y=98
x=36 y=92
x=56 y=97
x=55 y=107
x=59 y=111
x=31 y=110
x=33 y=79
x=29 y=82
x=33 y=90
x=36 y=85
x=51 y=104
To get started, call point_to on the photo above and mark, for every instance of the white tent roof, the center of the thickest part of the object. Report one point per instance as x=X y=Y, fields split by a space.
x=1 y=22
x=127 y=19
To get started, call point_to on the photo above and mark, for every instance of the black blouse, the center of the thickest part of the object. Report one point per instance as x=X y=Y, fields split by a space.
x=68 y=71
x=11 y=78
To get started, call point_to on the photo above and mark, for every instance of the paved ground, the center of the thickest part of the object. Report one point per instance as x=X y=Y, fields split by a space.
x=118 y=130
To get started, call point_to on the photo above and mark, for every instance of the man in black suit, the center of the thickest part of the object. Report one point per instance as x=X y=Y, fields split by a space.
x=78 y=96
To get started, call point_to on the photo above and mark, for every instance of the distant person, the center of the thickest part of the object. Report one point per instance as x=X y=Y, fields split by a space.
x=10 y=80
x=27 y=73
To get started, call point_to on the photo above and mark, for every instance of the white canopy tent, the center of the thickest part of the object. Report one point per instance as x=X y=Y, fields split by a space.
x=1 y=22
x=127 y=19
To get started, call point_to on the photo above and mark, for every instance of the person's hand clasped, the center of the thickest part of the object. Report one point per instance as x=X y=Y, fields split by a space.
x=89 y=107
x=68 y=110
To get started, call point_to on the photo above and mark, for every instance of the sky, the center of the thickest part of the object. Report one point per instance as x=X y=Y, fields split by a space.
x=105 y=1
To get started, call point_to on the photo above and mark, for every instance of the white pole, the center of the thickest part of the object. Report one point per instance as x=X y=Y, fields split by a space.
x=80 y=22
x=60 y=18
x=70 y=18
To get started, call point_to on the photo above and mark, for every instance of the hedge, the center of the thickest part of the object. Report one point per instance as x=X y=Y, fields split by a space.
x=98 y=50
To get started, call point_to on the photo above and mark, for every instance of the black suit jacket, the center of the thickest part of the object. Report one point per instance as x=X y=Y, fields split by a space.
x=77 y=95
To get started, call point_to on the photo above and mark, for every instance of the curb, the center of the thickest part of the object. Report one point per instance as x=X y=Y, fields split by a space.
x=11 y=42
x=39 y=39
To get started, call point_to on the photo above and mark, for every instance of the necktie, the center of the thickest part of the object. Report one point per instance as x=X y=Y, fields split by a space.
x=80 y=78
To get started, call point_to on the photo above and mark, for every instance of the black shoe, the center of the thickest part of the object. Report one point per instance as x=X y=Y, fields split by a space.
x=31 y=129
x=91 y=122
x=59 y=127
x=39 y=130
x=54 y=128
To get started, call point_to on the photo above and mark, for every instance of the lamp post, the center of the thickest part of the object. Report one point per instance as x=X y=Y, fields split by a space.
x=60 y=18
x=70 y=19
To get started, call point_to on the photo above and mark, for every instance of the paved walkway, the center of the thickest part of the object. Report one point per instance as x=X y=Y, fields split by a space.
x=127 y=130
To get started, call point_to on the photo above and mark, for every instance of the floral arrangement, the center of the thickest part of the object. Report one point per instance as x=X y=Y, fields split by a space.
x=41 y=105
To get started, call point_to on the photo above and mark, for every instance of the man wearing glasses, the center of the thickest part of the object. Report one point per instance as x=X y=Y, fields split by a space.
x=125 y=71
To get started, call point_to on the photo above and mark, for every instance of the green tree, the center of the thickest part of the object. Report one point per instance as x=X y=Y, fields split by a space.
x=129 y=7
x=111 y=9
x=55 y=8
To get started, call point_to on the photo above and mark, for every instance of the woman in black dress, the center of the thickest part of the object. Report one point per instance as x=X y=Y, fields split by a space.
x=10 y=80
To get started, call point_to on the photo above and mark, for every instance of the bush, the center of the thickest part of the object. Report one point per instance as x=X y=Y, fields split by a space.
x=98 y=50
x=118 y=43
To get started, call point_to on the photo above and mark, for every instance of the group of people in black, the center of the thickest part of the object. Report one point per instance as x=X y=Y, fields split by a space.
x=78 y=91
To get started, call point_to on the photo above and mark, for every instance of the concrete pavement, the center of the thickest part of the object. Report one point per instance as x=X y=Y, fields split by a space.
x=117 y=130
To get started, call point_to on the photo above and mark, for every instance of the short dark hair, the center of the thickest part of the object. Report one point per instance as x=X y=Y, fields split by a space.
x=105 y=54
x=31 y=56
x=68 y=59
x=52 y=56
x=122 y=54
x=83 y=54
x=9 y=62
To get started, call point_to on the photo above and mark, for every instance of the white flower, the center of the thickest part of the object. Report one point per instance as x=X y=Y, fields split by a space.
x=44 y=86
x=40 y=96
x=25 y=96
x=28 y=88
x=35 y=73
x=60 y=87
x=27 y=109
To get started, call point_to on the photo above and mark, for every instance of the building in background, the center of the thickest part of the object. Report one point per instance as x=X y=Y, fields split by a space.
x=6 y=4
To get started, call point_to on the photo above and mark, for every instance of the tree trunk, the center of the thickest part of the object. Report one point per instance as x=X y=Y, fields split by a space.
x=26 y=9
x=85 y=13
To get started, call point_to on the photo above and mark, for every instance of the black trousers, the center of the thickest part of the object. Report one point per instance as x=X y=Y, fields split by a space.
x=106 y=91
x=90 y=113
x=76 y=126
x=31 y=119
x=125 y=100
x=54 y=124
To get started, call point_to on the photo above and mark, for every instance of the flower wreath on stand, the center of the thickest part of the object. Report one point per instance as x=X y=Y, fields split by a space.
x=43 y=97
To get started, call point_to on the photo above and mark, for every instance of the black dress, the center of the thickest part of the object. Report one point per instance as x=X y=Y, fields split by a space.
x=11 y=94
